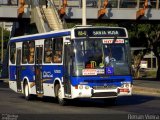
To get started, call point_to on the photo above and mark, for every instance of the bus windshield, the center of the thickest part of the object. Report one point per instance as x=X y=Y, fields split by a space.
x=93 y=57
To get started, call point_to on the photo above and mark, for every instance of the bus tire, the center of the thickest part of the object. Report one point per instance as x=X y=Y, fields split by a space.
x=27 y=95
x=58 y=92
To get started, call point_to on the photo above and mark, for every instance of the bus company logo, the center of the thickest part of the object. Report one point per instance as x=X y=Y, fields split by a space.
x=105 y=85
x=57 y=71
x=47 y=74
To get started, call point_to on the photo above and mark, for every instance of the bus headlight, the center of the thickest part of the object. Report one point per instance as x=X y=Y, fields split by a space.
x=125 y=85
x=80 y=86
x=86 y=87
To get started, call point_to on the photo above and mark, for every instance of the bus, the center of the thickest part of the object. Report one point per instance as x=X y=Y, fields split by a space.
x=81 y=62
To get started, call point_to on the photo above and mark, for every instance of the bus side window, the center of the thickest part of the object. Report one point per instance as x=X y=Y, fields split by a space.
x=57 y=50
x=47 y=50
x=12 y=53
x=31 y=51
x=25 y=53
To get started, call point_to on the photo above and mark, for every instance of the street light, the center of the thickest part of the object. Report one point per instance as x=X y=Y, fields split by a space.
x=84 y=13
x=2 y=43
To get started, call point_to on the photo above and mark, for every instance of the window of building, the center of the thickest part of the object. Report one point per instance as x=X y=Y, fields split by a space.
x=113 y=4
x=12 y=52
x=25 y=53
x=31 y=52
x=151 y=3
x=48 y=50
x=128 y=3
x=57 y=50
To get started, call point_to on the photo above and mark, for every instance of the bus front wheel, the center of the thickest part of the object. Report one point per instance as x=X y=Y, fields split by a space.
x=61 y=100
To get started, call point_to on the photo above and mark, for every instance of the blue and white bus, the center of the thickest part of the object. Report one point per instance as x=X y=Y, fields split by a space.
x=82 y=62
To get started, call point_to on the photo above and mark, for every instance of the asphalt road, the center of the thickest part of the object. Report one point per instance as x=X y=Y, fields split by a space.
x=13 y=104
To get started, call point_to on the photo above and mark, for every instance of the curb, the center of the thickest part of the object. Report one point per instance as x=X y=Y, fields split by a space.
x=146 y=90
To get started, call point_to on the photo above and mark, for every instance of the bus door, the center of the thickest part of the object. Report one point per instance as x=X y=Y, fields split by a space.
x=67 y=67
x=18 y=70
x=38 y=70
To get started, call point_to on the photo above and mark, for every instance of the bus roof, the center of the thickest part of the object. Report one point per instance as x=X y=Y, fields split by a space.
x=41 y=36
x=65 y=32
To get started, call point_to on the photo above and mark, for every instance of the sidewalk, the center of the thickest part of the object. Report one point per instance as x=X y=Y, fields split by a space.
x=147 y=86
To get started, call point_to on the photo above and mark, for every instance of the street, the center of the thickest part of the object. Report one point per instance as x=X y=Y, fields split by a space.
x=11 y=102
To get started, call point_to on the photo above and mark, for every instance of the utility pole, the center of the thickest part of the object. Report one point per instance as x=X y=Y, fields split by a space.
x=2 y=43
x=84 y=23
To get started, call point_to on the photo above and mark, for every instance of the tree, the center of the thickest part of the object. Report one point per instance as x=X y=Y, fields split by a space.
x=148 y=36
x=6 y=35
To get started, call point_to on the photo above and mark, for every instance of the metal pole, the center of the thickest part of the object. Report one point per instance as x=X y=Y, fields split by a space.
x=84 y=13
x=2 y=44
x=99 y=4
x=118 y=4
x=157 y=4
x=138 y=4
x=151 y=60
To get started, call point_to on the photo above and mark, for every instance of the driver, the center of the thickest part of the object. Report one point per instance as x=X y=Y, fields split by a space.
x=107 y=59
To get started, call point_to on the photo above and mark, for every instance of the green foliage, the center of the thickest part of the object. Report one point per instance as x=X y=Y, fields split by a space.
x=6 y=35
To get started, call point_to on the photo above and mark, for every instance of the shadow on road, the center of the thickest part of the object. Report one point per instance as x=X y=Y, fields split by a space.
x=121 y=101
x=101 y=103
x=4 y=84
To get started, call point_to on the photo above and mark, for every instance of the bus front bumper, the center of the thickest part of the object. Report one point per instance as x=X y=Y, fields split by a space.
x=84 y=91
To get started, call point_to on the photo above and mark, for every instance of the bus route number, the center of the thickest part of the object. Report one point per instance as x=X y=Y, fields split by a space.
x=82 y=33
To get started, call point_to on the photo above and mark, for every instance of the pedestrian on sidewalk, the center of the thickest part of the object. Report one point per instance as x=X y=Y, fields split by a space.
x=48 y=3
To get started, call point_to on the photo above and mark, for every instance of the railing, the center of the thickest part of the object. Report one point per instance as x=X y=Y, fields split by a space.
x=9 y=2
x=155 y=4
x=55 y=11
x=46 y=24
x=36 y=16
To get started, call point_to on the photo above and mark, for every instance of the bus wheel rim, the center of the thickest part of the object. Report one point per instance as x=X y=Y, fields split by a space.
x=59 y=94
x=26 y=91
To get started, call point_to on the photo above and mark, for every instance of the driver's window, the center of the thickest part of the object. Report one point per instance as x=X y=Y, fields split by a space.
x=118 y=53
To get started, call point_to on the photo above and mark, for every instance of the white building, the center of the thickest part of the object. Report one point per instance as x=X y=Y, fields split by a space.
x=6 y=25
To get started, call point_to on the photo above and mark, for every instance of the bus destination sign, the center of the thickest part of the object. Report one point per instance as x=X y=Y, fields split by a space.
x=100 y=32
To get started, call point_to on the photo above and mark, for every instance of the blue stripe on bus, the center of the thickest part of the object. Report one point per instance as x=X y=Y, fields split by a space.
x=43 y=36
x=49 y=72
x=99 y=81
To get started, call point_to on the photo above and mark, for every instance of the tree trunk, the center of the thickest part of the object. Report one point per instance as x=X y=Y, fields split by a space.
x=137 y=61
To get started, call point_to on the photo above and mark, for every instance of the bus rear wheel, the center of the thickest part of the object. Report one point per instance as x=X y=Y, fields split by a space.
x=27 y=95
x=58 y=91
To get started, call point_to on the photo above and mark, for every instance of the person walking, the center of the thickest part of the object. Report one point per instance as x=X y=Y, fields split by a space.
x=46 y=3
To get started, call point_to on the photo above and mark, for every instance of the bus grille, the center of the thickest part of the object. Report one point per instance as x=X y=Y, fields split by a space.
x=104 y=94
x=104 y=87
